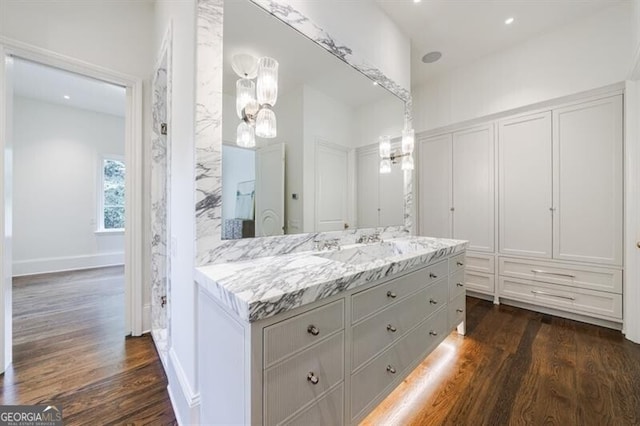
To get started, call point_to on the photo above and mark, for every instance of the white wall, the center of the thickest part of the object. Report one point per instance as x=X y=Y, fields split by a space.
x=366 y=29
x=181 y=368
x=590 y=53
x=384 y=117
x=238 y=165
x=56 y=160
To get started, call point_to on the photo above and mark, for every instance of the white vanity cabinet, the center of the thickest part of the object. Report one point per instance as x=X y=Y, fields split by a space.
x=329 y=362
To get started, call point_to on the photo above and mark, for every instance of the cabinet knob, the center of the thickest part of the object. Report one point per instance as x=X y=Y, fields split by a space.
x=459 y=311
x=460 y=284
x=552 y=209
x=311 y=377
x=312 y=329
x=432 y=275
x=459 y=263
x=433 y=333
x=391 y=328
x=391 y=294
x=391 y=370
x=433 y=302
x=453 y=209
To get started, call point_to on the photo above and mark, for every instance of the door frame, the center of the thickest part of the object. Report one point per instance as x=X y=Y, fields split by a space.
x=133 y=182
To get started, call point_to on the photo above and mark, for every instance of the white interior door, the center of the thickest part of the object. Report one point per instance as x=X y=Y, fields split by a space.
x=524 y=182
x=332 y=187
x=270 y=190
x=367 y=208
x=434 y=184
x=588 y=178
x=473 y=188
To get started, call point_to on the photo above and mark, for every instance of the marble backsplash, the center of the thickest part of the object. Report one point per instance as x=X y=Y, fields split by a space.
x=253 y=248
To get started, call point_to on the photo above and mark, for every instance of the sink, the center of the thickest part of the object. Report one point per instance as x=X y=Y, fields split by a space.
x=360 y=254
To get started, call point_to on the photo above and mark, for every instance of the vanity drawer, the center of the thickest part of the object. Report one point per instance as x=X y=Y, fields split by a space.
x=456 y=284
x=456 y=263
x=293 y=334
x=369 y=301
x=328 y=410
x=481 y=283
x=480 y=263
x=456 y=309
x=389 y=367
x=594 y=278
x=588 y=302
x=287 y=386
x=376 y=333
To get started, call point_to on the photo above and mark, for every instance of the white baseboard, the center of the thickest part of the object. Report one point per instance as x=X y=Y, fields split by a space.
x=185 y=402
x=68 y=263
x=146 y=318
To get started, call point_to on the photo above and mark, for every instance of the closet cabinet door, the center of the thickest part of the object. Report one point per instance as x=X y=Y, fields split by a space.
x=434 y=180
x=473 y=188
x=588 y=182
x=524 y=182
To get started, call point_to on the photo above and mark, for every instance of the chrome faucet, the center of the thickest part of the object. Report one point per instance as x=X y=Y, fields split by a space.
x=369 y=238
x=328 y=244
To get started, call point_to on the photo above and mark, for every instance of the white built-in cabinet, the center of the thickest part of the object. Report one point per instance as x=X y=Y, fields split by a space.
x=559 y=217
x=380 y=197
x=456 y=181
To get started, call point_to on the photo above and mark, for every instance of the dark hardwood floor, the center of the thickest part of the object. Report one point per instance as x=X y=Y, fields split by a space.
x=517 y=367
x=513 y=367
x=69 y=349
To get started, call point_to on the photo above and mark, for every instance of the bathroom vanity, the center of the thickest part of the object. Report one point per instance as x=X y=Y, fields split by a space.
x=322 y=336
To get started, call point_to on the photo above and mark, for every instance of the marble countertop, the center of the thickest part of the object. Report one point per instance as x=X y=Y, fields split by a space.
x=263 y=287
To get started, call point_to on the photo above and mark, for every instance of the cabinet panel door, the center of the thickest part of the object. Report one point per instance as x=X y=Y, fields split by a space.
x=588 y=182
x=434 y=179
x=473 y=188
x=524 y=182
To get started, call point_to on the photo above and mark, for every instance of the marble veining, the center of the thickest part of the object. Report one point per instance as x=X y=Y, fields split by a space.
x=262 y=287
x=160 y=159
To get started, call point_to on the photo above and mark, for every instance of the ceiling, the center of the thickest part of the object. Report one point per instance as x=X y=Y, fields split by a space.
x=465 y=30
x=249 y=29
x=37 y=81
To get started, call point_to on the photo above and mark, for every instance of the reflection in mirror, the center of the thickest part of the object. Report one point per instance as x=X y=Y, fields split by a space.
x=321 y=170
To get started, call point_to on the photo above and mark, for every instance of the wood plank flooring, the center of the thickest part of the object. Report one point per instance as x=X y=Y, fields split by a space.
x=69 y=349
x=517 y=367
x=513 y=367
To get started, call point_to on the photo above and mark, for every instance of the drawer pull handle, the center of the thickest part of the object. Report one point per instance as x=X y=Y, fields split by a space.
x=459 y=263
x=460 y=284
x=391 y=370
x=459 y=311
x=391 y=294
x=540 y=271
x=313 y=378
x=433 y=302
x=433 y=333
x=432 y=275
x=391 y=328
x=544 y=293
x=313 y=330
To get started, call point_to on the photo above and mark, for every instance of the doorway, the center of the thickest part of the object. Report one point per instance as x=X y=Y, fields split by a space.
x=110 y=214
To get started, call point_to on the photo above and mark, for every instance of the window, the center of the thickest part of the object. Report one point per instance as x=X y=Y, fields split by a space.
x=112 y=194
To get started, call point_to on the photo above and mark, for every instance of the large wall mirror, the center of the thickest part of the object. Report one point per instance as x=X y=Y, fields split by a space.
x=321 y=170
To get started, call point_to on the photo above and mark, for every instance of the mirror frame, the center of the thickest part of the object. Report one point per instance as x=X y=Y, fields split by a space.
x=208 y=115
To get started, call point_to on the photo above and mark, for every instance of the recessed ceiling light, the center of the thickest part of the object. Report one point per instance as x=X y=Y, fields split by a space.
x=67 y=97
x=431 y=57
x=417 y=1
x=509 y=20
x=375 y=83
